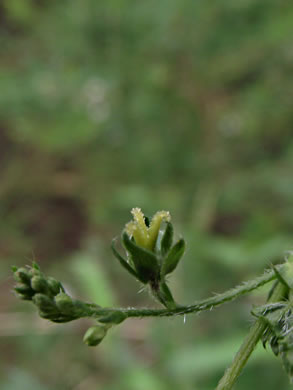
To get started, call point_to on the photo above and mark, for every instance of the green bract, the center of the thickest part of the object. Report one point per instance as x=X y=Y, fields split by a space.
x=144 y=261
x=173 y=257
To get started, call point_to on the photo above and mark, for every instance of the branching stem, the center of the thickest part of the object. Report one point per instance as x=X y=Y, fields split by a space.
x=206 y=304
x=248 y=345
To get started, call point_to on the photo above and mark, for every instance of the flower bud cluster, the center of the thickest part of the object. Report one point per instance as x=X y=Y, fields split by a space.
x=47 y=294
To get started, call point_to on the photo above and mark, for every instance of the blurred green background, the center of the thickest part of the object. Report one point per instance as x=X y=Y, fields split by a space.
x=182 y=105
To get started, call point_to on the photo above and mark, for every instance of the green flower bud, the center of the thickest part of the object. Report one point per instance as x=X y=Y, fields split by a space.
x=45 y=305
x=22 y=275
x=54 y=286
x=24 y=297
x=24 y=291
x=71 y=308
x=39 y=284
x=64 y=303
x=34 y=272
x=94 y=335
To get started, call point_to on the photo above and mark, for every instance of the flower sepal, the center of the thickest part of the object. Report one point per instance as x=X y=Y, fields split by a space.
x=144 y=261
x=172 y=258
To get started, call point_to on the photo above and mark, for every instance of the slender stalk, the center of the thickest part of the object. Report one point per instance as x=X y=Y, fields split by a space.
x=206 y=304
x=248 y=346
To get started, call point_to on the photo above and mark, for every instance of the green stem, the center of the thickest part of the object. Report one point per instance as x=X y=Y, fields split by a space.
x=247 y=347
x=206 y=304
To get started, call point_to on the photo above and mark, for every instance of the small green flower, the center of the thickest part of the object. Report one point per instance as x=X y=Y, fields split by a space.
x=150 y=255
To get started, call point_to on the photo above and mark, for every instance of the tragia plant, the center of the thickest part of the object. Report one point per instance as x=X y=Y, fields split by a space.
x=151 y=255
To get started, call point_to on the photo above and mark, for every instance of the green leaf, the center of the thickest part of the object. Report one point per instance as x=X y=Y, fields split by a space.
x=145 y=262
x=123 y=262
x=173 y=257
x=167 y=239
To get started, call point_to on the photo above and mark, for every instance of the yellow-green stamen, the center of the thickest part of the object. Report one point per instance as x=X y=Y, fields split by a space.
x=154 y=228
x=144 y=236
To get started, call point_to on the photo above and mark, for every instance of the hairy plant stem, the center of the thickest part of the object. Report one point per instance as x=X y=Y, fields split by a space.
x=256 y=331
x=92 y=310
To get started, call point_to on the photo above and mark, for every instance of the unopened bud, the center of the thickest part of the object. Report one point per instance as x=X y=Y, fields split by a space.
x=34 y=272
x=22 y=275
x=24 y=291
x=94 y=335
x=54 y=285
x=64 y=303
x=45 y=304
x=39 y=284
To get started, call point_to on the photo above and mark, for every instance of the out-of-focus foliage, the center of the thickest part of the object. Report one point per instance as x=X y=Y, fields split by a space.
x=178 y=105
